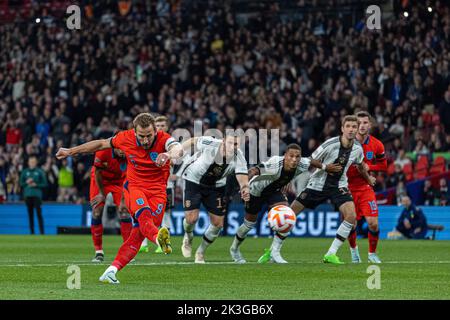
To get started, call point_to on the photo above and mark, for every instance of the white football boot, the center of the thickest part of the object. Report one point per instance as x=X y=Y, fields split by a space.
x=237 y=256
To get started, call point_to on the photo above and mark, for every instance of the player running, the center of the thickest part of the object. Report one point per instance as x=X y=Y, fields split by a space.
x=267 y=180
x=205 y=178
x=148 y=154
x=362 y=193
x=107 y=176
x=162 y=123
x=342 y=150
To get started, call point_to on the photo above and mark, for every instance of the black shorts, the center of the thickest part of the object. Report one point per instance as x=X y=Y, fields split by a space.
x=170 y=204
x=255 y=204
x=212 y=198
x=312 y=198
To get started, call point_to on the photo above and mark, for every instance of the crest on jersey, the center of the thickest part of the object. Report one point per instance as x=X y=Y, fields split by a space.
x=153 y=155
x=369 y=155
x=140 y=201
x=123 y=167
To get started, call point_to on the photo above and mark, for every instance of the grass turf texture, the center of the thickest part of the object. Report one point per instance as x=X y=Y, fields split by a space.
x=35 y=267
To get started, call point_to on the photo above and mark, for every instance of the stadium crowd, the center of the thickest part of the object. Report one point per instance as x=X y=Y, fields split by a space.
x=196 y=62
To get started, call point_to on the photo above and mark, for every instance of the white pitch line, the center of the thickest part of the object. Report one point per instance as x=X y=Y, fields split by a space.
x=84 y=263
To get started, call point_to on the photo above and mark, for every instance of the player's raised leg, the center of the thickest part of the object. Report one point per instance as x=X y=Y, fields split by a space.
x=347 y=209
x=210 y=235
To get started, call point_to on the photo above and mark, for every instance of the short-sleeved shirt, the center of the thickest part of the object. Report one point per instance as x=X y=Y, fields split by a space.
x=142 y=171
x=373 y=152
x=332 y=151
x=272 y=176
x=204 y=168
x=113 y=168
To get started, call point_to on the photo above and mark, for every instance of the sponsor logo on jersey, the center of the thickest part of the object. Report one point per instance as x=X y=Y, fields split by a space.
x=153 y=155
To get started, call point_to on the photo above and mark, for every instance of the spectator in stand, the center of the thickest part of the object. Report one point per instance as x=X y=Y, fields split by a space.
x=443 y=194
x=444 y=111
x=412 y=222
x=429 y=194
x=194 y=61
x=396 y=177
x=402 y=159
x=65 y=182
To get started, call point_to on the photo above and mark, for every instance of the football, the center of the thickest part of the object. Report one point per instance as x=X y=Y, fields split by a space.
x=281 y=219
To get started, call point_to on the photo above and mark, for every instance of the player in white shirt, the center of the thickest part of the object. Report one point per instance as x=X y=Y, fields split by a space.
x=343 y=150
x=205 y=178
x=267 y=181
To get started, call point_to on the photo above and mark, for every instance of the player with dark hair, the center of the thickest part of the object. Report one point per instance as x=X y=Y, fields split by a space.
x=107 y=176
x=267 y=181
x=362 y=193
x=148 y=154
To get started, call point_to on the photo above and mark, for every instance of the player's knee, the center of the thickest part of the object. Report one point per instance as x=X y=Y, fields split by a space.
x=191 y=218
x=217 y=224
x=97 y=213
x=373 y=226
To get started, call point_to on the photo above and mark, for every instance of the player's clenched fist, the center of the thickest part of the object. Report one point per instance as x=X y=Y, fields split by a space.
x=62 y=153
x=245 y=193
x=162 y=159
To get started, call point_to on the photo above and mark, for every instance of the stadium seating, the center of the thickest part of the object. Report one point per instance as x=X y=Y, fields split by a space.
x=421 y=168
x=409 y=172
x=438 y=166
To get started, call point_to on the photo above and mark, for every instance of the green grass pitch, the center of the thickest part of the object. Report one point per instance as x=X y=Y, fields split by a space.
x=35 y=267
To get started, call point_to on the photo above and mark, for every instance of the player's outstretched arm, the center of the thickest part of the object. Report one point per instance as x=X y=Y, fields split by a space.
x=88 y=147
x=189 y=144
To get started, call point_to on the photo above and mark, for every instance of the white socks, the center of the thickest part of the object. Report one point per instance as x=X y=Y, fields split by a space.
x=242 y=232
x=188 y=229
x=278 y=240
x=210 y=235
x=342 y=233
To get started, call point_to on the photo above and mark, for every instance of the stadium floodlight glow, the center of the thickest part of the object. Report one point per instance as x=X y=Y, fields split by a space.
x=430 y=9
x=406 y=14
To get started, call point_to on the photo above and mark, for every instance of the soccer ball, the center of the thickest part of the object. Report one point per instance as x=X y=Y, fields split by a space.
x=281 y=219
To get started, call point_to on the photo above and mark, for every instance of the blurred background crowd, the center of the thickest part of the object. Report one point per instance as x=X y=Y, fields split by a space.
x=230 y=64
